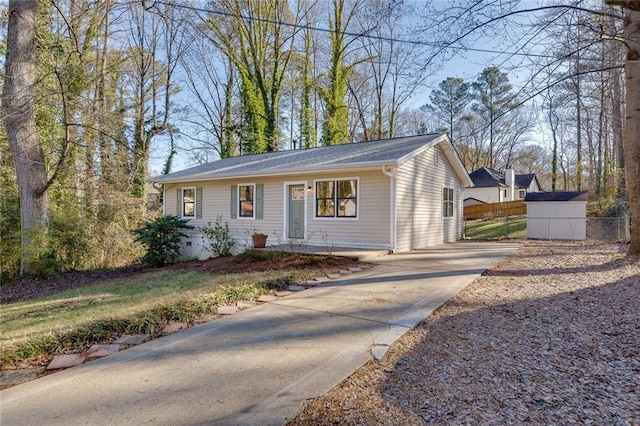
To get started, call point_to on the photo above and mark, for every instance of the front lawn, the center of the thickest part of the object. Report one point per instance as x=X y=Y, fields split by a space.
x=99 y=311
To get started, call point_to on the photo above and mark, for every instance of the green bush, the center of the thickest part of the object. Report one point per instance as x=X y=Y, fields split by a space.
x=9 y=238
x=217 y=238
x=46 y=265
x=162 y=238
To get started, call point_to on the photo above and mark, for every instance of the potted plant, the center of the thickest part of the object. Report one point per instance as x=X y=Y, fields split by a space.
x=259 y=239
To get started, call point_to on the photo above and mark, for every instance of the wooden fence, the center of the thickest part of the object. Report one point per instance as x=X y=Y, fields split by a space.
x=508 y=208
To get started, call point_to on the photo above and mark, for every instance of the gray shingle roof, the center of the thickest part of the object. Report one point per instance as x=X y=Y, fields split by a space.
x=486 y=177
x=557 y=196
x=382 y=151
x=524 y=181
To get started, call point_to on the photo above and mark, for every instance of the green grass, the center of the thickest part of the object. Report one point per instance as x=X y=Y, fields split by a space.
x=494 y=229
x=94 y=313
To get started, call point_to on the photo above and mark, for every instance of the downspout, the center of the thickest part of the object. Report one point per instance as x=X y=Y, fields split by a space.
x=390 y=171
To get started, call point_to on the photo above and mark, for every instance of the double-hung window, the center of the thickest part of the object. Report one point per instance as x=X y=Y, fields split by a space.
x=246 y=200
x=337 y=198
x=188 y=202
x=447 y=202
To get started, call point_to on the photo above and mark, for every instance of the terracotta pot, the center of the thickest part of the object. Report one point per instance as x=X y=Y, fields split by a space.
x=259 y=241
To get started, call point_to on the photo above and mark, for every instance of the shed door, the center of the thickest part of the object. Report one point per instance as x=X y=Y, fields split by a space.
x=295 y=225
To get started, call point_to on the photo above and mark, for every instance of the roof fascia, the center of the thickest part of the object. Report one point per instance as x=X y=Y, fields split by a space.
x=455 y=161
x=372 y=165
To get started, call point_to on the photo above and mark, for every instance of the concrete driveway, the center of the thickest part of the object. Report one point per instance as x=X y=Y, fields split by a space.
x=260 y=365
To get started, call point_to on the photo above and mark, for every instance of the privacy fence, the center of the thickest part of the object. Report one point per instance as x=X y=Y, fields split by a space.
x=507 y=208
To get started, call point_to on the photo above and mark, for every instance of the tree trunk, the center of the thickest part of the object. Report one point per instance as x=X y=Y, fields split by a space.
x=18 y=100
x=616 y=118
x=632 y=125
x=578 y=129
x=618 y=131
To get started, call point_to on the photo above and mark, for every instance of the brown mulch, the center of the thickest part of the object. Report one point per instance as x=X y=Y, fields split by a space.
x=29 y=288
x=551 y=335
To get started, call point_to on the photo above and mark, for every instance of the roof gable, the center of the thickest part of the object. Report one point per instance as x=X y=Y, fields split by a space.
x=524 y=181
x=486 y=177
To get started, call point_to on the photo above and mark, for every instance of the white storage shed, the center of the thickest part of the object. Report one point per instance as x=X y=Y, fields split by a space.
x=557 y=215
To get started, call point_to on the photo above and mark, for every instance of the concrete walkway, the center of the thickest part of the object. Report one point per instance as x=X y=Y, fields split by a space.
x=260 y=365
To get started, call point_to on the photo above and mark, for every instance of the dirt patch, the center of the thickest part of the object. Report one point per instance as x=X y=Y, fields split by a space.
x=30 y=288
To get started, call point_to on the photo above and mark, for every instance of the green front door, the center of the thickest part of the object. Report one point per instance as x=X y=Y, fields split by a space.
x=295 y=214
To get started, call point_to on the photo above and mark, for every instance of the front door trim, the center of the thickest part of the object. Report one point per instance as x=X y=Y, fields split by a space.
x=285 y=216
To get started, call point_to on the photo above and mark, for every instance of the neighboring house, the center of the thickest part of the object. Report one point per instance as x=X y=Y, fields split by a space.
x=494 y=186
x=396 y=194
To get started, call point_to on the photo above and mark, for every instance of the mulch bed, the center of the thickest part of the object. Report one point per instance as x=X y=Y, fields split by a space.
x=29 y=287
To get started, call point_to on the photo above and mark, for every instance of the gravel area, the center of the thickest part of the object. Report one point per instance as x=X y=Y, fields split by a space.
x=551 y=335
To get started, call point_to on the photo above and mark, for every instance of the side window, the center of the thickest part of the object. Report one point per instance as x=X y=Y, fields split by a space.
x=246 y=201
x=188 y=202
x=447 y=202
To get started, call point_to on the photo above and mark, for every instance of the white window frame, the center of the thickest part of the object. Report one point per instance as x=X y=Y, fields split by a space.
x=195 y=202
x=336 y=217
x=238 y=209
x=448 y=202
x=522 y=193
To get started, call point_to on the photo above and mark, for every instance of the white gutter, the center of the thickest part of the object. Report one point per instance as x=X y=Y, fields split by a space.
x=390 y=171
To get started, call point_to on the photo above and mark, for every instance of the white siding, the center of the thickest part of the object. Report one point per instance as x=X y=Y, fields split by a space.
x=420 y=182
x=487 y=194
x=558 y=220
x=370 y=229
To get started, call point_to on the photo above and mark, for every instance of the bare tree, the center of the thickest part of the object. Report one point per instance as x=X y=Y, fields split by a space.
x=157 y=41
x=210 y=79
x=18 y=112
x=255 y=38
x=393 y=68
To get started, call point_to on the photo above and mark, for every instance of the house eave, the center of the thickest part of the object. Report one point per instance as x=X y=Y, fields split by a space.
x=365 y=166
